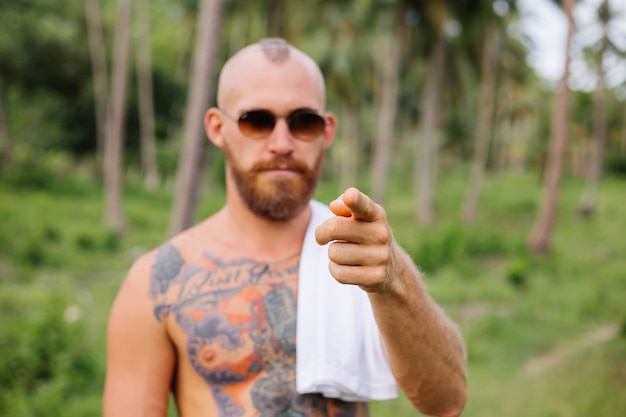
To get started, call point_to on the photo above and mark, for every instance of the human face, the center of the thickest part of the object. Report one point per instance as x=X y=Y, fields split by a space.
x=275 y=175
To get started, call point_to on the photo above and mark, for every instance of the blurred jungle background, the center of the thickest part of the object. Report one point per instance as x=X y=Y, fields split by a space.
x=504 y=178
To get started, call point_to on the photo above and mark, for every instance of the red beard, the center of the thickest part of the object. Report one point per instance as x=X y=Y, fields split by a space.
x=277 y=199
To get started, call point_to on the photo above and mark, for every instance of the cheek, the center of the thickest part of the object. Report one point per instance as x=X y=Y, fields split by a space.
x=317 y=156
x=241 y=155
x=308 y=152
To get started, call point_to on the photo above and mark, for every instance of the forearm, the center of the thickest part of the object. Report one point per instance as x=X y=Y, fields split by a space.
x=425 y=349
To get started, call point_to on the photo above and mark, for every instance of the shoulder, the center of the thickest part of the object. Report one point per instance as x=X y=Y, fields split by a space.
x=150 y=274
x=167 y=258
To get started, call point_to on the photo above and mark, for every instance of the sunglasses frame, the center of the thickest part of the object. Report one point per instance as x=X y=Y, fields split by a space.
x=289 y=118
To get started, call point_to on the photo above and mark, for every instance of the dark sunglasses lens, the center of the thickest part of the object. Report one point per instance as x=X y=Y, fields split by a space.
x=257 y=123
x=307 y=125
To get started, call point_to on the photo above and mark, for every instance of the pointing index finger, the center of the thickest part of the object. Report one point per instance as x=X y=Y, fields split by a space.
x=361 y=206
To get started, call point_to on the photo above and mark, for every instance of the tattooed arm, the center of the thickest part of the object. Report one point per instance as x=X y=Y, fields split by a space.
x=140 y=354
x=425 y=350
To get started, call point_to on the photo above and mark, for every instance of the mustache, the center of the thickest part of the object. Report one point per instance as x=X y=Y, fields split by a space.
x=280 y=163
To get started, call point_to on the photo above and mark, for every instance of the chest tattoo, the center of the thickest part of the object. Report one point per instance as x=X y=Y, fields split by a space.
x=239 y=317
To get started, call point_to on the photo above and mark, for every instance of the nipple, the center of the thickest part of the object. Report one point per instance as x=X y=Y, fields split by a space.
x=208 y=355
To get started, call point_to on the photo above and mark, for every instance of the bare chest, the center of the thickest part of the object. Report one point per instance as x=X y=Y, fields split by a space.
x=234 y=325
x=233 y=322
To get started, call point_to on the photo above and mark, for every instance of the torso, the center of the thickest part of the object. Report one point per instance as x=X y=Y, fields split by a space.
x=232 y=319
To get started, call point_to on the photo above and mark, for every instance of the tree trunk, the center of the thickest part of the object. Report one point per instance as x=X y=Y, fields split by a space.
x=542 y=230
x=521 y=143
x=274 y=18
x=350 y=147
x=596 y=154
x=427 y=152
x=200 y=89
x=145 y=95
x=504 y=126
x=486 y=108
x=6 y=147
x=97 y=52
x=623 y=139
x=181 y=73
x=386 y=117
x=113 y=146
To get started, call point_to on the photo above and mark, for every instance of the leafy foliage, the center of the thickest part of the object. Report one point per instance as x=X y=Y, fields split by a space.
x=48 y=365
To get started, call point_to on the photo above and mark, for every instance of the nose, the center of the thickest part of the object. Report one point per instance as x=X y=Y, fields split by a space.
x=281 y=141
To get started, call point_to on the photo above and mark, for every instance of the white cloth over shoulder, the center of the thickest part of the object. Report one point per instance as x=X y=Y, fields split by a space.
x=338 y=345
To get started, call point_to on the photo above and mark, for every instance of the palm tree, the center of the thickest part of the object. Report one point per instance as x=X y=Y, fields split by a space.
x=346 y=80
x=99 y=70
x=427 y=155
x=275 y=20
x=390 y=52
x=622 y=146
x=113 y=146
x=486 y=109
x=200 y=90
x=6 y=148
x=144 y=91
x=540 y=236
x=596 y=155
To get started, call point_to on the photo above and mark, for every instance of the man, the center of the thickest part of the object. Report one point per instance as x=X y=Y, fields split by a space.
x=211 y=314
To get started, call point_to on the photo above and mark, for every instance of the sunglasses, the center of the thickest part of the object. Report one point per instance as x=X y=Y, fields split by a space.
x=258 y=124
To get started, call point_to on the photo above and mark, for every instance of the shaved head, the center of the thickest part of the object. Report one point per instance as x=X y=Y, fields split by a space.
x=251 y=59
x=274 y=176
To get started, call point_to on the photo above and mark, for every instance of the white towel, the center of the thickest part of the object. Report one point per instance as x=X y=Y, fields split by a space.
x=338 y=345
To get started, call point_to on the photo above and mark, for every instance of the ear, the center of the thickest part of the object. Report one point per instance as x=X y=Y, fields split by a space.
x=330 y=130
x=213 y=121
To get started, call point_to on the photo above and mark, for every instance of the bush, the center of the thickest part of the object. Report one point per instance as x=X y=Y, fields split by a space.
x=99 y=241
x=53 y=172
x=33 y=252
x=455 y=244
x=616 y=164
x=517 y=273
x=86 y=242
x=112 y=242
x=45 y=360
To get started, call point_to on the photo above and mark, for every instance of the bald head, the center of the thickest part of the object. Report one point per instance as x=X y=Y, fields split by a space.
x=266 y=55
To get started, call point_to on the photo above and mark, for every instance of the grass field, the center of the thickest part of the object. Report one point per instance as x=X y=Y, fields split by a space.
x=545 y=335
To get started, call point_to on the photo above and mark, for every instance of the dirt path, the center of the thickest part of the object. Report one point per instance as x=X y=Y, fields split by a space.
x=552 y=358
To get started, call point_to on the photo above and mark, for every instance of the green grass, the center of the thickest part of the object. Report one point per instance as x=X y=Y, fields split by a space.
x=510 y=305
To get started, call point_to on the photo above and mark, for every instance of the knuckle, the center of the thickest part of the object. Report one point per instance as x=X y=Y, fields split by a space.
x=379 y=211
x=334 y=227
x=333 y=251
x=379 y=274
x=381 y=235
x=384 y=257
x=338 y=273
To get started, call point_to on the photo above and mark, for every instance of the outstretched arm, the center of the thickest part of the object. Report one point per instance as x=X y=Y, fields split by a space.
x=424 y=348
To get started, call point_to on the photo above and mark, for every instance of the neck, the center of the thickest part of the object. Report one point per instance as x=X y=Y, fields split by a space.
x=265 y=238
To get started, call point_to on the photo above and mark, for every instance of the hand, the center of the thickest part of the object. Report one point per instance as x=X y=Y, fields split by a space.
x=361 y=248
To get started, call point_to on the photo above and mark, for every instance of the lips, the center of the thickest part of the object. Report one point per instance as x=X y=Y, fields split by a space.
x=282 y=166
